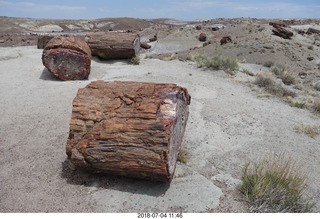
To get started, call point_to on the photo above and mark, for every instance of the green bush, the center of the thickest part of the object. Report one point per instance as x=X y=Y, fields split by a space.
x=135 y=60
x=274 y=184
x=217 y=63
x=268 y=64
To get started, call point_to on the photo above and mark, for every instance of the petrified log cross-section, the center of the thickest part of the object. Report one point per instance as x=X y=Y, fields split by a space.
x=128 y=128
x=68 y=58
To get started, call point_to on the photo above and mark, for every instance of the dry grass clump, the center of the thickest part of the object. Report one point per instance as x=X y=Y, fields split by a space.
x=311 y=131
x=288 y=78
x=300 y=105
x=183 y=156
x=274 y=184
x=267 y=82
x=217 y=63
x=135 y=60
x=278 y=69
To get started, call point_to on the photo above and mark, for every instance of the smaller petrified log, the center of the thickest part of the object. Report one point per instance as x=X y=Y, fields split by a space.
x=113 y=45
x=154 y=38
x=68 y=58
x=312 y=30
x=277 y=24
x=225 y=40
x=128 y=128
x=202 y=37
x=282 y=32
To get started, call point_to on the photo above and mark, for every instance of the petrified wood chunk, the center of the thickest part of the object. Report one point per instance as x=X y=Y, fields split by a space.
x=128 y=128
x=113 y=45
x=282 y=32
x=68 y=58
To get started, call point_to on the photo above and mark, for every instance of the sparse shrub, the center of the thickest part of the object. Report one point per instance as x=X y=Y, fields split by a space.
x=310 y=47
x=135 y=60
x=300 y=105
x=311 y=131
x=274 y=184
x=183 y=156
x=288 y=78
x=217 y=63
x=264 y=80
x=278 y=69
x=268 y=64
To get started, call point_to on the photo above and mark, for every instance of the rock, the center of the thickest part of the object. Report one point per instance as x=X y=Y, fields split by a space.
x=68 y=58
x=215 y=28
x=282 y=32
x=1 y=41
x=301 y=32
x=225 y=40
x=198 y=27
x=128 y=128
x=202 y=37
x=302 y=75
x=154 y=38
x=145 y=46
x=310 y=58
x=312 y=30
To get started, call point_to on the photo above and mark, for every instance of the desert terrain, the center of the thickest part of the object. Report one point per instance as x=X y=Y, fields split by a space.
x=232 y=118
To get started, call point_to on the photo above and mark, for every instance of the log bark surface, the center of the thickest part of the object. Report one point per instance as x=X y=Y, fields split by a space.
x=68 y=58
x=113 y=45
x=128 y=128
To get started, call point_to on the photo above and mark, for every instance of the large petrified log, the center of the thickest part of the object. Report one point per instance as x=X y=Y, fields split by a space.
x=113 y=45
x=128 y=128
x=68 y=58
x=282 y=32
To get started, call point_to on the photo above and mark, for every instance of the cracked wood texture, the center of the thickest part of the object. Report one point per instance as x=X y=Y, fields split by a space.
x=128 y=128
x=113 y=45
x=68 y=58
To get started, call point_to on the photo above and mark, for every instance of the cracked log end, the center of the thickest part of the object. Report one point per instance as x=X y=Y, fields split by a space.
x=128 y=128
x=68 y=58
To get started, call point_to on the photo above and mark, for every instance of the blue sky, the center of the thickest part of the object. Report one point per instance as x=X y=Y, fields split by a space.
x=179 y=9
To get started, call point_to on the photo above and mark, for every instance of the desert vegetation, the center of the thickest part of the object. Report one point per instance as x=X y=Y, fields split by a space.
x=229 y=65
x=275 y=184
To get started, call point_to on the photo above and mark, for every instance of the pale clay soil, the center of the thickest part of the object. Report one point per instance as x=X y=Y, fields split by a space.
x=231 y=122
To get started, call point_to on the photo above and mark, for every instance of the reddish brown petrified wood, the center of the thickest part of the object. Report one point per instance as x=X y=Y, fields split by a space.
x=128 y=128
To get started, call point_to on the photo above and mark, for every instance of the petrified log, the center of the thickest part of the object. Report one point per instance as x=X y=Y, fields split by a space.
x=312 y=30
x=111 y=45
x=128 y=128
x=277 y=24
x=225 y=40
x=68 y=58
x=282 y=32
x=202 y=37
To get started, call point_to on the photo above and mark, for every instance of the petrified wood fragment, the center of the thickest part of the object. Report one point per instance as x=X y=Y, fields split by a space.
x=68 y=58
x=282 y=32
x=113 y=45
x=128 y=128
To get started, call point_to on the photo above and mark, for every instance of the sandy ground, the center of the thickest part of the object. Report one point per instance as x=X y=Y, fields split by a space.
x=228 y=126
